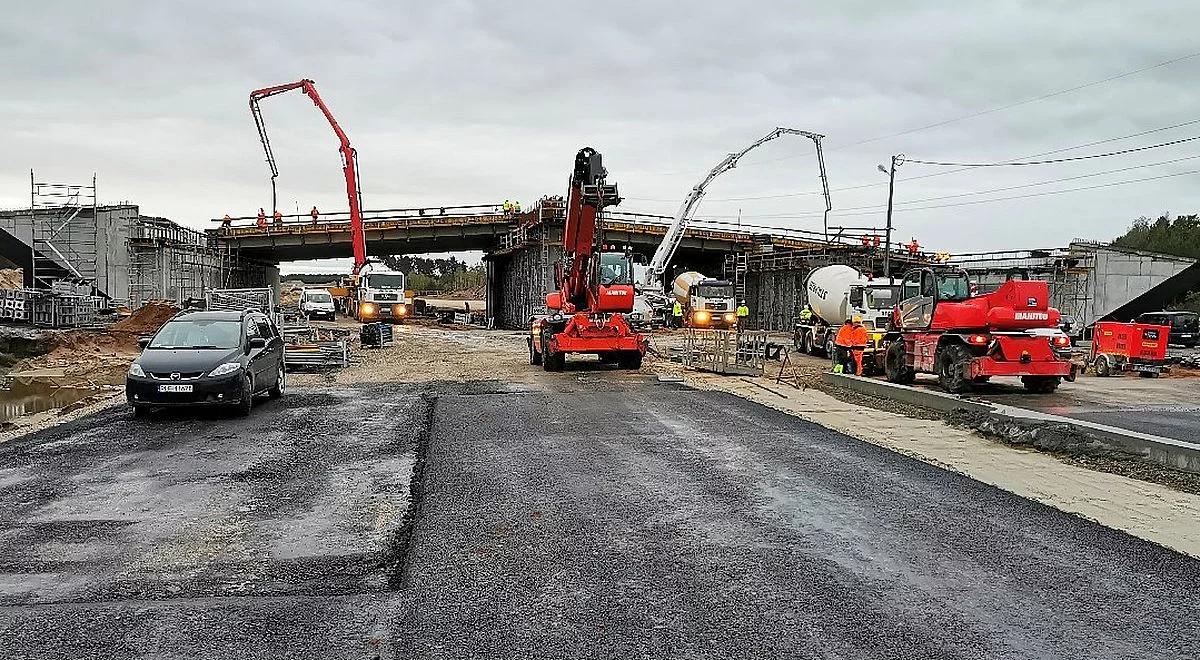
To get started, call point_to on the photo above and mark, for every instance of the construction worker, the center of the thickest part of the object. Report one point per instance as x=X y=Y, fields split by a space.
x=677 y=315
x=743 y=314
x=278 y=218
x=913 y=247
x=806 y=315
x=315 y=214
x=859 y=338
x=841 y=346
x=516 y=207
x=262 y=218
x=508 y=207
x=226 y=223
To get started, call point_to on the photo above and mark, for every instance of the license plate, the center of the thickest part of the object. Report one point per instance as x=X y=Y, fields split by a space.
x=174 y=388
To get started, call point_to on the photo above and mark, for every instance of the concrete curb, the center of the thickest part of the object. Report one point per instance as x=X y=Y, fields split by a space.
x=939 y=401
x=1167 y=451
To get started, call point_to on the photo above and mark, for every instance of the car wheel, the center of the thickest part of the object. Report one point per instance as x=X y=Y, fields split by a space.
x=280 y=384
x=246 y=404
x=141 y=411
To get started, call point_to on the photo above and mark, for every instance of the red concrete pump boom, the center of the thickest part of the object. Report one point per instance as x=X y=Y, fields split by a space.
x=349 y=160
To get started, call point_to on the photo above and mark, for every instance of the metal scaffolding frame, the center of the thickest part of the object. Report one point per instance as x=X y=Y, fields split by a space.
x=62 y=222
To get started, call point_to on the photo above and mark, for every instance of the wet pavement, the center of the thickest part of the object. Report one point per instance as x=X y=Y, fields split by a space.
x=590 y=514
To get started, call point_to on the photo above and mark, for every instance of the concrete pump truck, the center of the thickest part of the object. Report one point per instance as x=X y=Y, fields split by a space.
x=595 y=288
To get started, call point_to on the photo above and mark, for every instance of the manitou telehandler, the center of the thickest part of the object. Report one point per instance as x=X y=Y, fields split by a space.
x=939 y=327
x=595 y=288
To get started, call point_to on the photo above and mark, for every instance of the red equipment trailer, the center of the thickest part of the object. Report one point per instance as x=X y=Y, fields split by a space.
x=595 y=290
x=1140 y=347
x=939 y=327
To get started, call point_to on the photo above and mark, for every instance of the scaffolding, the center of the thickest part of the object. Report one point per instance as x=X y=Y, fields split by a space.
x=62 y=229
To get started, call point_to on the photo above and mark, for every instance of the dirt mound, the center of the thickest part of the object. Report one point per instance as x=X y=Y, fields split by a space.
x=146 y=320
x=11 y=278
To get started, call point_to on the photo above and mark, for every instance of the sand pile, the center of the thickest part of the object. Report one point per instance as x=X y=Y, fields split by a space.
x=146 y=320
x=11 y=278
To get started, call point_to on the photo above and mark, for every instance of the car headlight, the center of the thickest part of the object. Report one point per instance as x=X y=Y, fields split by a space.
x=135 y=369
x=227 y=368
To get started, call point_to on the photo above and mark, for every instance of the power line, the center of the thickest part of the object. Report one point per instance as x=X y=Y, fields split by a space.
x=997 y=199
x=1054 y=160
x=1000 y=108
x=933 y=174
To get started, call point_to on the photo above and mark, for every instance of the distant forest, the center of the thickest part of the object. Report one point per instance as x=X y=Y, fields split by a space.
x=1178 y=235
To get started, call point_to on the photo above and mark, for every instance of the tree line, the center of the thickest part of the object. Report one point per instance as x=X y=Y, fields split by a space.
x=1178 y=235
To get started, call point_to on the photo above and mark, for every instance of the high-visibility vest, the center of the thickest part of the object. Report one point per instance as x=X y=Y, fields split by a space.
x=742 y=311
x=806 y=315
x=859 y=337
x=677 y=310
x=844 y=336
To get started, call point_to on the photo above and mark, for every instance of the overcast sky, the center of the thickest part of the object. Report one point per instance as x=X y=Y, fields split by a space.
x=457 y=102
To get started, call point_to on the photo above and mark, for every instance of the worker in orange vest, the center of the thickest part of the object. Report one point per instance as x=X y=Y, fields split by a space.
x=913 y=247
x=262 y=218
x=315 y=214
x=859 y=338
x=841 y=346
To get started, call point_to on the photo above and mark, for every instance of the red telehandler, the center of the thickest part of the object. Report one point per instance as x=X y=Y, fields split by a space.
x=939 y=327
x=595 y=288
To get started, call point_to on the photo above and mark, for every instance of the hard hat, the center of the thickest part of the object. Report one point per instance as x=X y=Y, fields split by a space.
x=857 y=318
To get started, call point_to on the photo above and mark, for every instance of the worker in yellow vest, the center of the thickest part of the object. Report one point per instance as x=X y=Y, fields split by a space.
x=743 y=314
x=677 y=315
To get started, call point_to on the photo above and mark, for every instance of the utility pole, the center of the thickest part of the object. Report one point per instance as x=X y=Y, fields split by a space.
x=897 y=160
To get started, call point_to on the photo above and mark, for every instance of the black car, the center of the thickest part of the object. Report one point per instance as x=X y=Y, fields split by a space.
x=1185 y=326
x=208 y=358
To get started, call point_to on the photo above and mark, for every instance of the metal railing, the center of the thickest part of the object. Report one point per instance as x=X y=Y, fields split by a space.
x=725 y=351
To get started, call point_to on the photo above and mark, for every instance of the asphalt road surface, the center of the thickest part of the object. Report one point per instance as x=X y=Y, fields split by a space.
x=568 y=518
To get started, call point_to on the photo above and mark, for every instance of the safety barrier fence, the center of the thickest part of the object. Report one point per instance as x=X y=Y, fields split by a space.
x=725 y=351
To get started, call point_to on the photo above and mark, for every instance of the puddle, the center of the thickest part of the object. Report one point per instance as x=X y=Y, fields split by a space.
x=17 y=398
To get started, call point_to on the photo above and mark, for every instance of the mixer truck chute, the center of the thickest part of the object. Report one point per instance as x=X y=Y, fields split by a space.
x=836 y=293
x=940 y=328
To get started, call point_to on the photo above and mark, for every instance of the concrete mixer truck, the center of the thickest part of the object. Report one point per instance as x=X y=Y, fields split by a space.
x=836 y=293
x=707 y=303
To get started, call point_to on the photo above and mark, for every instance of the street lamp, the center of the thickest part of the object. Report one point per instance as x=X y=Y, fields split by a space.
x=897 y=160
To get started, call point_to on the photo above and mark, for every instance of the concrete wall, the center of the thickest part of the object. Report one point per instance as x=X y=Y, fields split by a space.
x=1122 y=276
x=775 y=298
x=517 y=285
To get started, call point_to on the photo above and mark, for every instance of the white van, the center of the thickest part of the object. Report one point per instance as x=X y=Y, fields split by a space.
x=316 y=303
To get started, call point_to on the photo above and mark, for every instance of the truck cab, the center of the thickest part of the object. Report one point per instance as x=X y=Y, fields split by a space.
x=711 y=304
x=380 y=295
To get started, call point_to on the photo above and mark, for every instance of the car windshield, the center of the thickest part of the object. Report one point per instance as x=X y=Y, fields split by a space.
x=199 y=333
x=953 y=286
x=319 y=297
x=385 y=281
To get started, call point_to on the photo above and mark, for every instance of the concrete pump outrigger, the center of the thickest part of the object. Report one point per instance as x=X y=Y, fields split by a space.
x=595 y=289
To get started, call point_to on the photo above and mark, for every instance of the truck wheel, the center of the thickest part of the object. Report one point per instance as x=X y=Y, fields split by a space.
x=806 y=342
x=952 y=363
x=535 y=358
x=630 y=360
x=1102 y=366
x=829 y=347
x=554 y=361
x=1040 y=384
x=894 y=367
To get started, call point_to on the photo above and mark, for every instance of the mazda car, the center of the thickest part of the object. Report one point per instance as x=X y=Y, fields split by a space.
x=208 y=358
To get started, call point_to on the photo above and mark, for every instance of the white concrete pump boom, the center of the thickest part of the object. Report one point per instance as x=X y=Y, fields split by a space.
x=666 y=250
